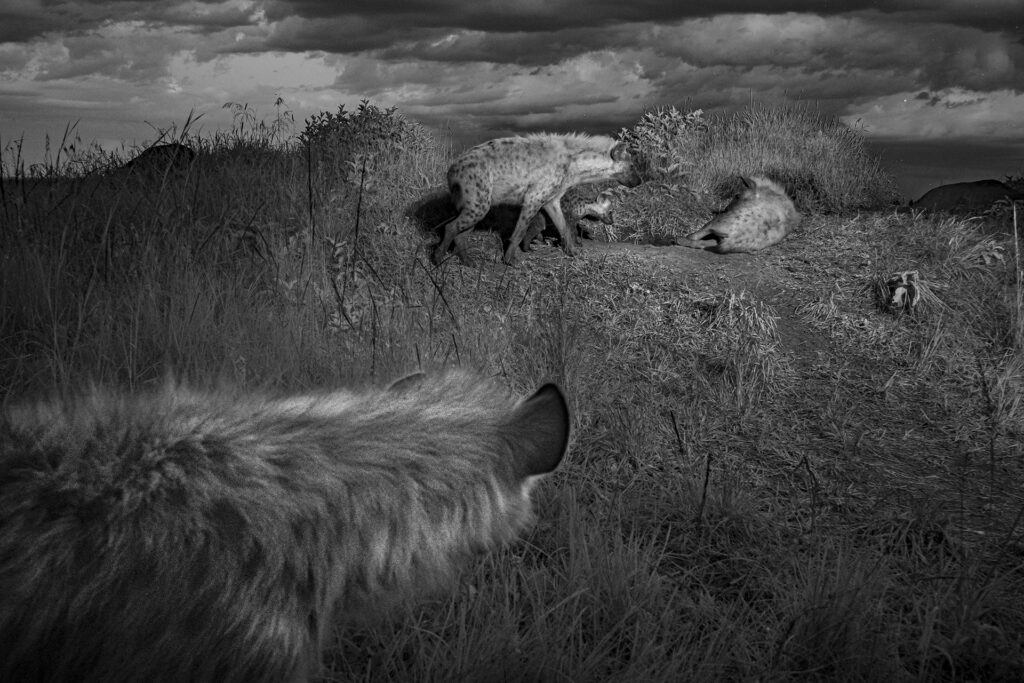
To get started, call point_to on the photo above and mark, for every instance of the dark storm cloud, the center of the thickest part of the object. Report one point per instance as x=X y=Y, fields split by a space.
x=378 y=16
x=335 y=35
x=806 y=56
x=524 y=48
x=205 y=17
x=842 y=48
x=872 y=48
x=140 y=56
x=1004 y=16
x=24 y=20
x=354 y=25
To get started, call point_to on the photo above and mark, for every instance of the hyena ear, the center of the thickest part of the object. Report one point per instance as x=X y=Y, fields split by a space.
x=539 y=431
x=406 y=383
x=620 y=151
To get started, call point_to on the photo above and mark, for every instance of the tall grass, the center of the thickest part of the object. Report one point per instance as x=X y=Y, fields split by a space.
x=734 y=506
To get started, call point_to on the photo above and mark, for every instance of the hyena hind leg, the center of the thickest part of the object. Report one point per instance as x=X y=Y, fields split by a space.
x=454 y=230
x=705 y=238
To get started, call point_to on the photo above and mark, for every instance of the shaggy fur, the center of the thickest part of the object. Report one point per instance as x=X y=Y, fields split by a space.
x=759 y=217
x=187 y=536
x=532 y=172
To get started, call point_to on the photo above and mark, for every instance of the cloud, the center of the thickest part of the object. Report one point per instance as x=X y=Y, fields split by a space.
x=24 y=20
x=491 y=67
x=945 y=114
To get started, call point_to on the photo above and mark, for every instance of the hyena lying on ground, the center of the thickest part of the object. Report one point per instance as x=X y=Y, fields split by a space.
x=759 y=217
x=203 y=537
x=599 y=209
x=533 y=172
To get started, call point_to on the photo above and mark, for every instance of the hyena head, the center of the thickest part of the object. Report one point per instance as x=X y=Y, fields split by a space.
x=600 y=209
x=759 y=191
x=525 y=446
x=625 y=167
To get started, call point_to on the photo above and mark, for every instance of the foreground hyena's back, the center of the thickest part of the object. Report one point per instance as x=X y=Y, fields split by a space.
x=532 y=172
x=759 y=217
x=204 y=537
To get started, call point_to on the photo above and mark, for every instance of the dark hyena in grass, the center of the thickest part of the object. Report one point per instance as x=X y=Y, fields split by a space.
x=965 y=198
x=172 y=157
x=532 y=172
x=759 y=217
x=186 y=536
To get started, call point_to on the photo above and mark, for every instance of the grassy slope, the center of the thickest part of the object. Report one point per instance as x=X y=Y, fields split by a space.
x=769 y=479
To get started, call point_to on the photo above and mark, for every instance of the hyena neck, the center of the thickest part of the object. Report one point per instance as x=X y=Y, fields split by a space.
x=591 y=170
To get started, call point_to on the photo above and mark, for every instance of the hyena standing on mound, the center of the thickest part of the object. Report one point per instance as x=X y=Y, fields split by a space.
x=204 y=537
x=759 y=217
x=533 y=172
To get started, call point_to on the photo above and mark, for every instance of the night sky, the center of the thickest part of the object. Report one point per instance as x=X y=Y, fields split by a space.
x=936 y=85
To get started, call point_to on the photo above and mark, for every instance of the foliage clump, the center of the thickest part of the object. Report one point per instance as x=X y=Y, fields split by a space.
x=368 y=127
x=823 y=163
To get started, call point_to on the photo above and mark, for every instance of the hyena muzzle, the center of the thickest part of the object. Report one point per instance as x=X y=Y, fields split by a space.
x=184 y=536
x=760 y=216
x=532 y=172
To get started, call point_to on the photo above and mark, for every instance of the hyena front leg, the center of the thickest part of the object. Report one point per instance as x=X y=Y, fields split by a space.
x=526 y=215
x=554 y=211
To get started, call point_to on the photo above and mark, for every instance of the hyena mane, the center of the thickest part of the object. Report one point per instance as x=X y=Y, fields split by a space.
x=206 y=536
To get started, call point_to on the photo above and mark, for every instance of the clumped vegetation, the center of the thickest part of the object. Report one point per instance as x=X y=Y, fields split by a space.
x=770 y=478
x=693 y=164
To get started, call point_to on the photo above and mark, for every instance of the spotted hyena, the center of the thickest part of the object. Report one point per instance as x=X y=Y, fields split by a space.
x=532 y=172
x=575 y=211
x=760 y=216
x=198 y=536
x=969 y=197
x=159 y=159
